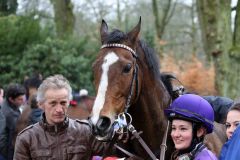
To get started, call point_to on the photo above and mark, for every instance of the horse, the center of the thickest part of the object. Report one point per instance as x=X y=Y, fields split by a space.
x=127 y=79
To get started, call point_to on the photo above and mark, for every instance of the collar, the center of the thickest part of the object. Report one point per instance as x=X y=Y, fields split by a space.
x=57 y=128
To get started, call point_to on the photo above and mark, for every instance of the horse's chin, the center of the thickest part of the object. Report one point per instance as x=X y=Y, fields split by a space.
x=107 y=137
x=103 y=136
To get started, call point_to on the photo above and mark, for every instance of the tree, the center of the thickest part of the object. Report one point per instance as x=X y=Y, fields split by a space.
x=215 y=22
x=56 y=56
x=16 y=33
x=234 y=56
x=8 y=7
x=64 y=18
x=162 y=19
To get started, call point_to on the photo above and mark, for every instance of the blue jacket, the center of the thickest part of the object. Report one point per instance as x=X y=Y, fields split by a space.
x=231 y=149
x=36 y=115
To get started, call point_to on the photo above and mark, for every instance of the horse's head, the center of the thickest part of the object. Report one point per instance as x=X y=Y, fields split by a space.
x=115 y=78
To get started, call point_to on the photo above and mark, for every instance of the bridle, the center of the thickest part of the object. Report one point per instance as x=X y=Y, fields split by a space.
x=128 y=102
x=135 y=72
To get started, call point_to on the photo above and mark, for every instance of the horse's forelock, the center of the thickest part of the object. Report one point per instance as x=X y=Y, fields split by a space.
x=116 y=36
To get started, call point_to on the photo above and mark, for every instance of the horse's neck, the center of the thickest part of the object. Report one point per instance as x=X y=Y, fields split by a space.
x=148 y=113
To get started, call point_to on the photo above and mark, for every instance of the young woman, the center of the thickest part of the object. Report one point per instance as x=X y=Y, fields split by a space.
x=233 y=119
x=191 y=119
x=231 y=148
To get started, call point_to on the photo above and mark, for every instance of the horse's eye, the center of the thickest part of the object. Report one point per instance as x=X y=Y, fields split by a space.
x=127 y=68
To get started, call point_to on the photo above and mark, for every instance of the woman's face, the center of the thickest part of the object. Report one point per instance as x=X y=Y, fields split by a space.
x=181 y=134
x=232 y=121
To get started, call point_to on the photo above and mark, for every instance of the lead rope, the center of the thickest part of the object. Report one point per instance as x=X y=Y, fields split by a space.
x=120 y=123
x=141 y=141
x=163 y=146
x=126 y=152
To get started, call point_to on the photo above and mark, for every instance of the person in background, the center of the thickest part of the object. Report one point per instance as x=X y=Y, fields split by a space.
x=15 y=97
x=2 y=121
x=233 y=119
x=1 y=95
x=56 y=136
x=191 y=119
x=220 y=106
x=231 y=148
x=36 y=112
x=86 y=101
x=31 y=84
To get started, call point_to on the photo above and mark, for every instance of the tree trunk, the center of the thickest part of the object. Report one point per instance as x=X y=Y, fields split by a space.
x=156 y=15
x=215 y=24
x=193 y=27
x=236 y=34
x=161 y=21
x=64 y=18
x=235 y=57
x=167 y=13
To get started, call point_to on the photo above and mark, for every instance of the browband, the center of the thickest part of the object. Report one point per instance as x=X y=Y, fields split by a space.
x=120 y=46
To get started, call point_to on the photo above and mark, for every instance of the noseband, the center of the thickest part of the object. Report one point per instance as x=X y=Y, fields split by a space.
x=135 y=72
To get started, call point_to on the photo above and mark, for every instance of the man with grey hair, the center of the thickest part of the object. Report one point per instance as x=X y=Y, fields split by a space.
x=56 y=136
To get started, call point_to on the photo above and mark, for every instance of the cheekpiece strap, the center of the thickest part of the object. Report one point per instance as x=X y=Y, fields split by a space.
x=120 y=46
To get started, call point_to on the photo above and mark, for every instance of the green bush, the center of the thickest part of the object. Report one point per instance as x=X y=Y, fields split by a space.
x=55 y=56
x=27 y=49
x=16 y=33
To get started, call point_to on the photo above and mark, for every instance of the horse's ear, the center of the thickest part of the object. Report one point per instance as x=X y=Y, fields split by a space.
x=103 y=30
x=134 y=33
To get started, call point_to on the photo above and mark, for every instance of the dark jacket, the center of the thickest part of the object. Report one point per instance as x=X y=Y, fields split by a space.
x=36 y=115
x=2 y=136
x=11 y=114
x=220 y=106
x=71 y=140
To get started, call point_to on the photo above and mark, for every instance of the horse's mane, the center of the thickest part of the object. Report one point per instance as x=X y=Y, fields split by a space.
x=151 y=59
x=117 y=36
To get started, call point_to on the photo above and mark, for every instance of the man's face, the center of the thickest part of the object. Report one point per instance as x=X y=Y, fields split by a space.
x=18 y=101
x=55 y=105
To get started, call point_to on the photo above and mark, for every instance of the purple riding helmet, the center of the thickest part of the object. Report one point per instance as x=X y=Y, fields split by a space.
x=192 y=108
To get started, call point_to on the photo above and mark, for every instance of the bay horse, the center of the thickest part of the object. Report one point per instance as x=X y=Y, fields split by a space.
x=127 y=79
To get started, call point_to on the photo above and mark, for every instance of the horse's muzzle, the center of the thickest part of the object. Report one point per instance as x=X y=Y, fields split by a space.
x=103 y=129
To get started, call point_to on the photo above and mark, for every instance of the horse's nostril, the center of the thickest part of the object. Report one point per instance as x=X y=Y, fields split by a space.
x=103 y=124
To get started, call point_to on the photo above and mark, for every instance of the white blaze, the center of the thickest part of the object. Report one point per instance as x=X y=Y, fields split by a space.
x=109 y=59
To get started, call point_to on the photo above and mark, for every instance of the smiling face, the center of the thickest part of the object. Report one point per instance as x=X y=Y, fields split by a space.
x=232 y=121
x=55 y=105
x=181 y=134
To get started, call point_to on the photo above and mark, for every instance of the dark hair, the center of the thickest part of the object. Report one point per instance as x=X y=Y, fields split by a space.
x=32 y=82
x=15 y=90
x=235 y=106
x=34 y=103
